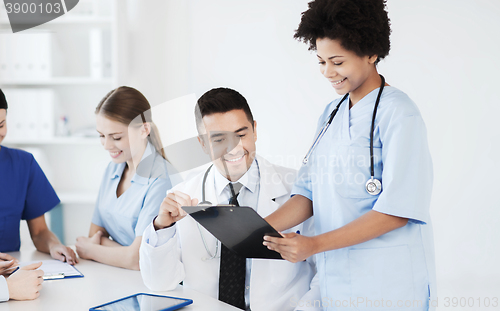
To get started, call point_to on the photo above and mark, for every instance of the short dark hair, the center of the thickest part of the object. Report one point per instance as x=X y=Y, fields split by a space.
x=361 y=26
x=3 y=101
x=220 y=100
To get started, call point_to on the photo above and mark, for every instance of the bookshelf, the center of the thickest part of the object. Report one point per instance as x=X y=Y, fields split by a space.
x=53 y=76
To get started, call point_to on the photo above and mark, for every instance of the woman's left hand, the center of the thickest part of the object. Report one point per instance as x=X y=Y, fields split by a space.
x=292 y=246
x=63 y=253
x=84 y=245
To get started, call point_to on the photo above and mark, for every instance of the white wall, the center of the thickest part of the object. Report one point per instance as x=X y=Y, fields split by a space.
x=444 y=55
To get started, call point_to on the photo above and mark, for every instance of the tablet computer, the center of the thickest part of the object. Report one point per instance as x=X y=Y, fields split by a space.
x=142 y=301
x=239 y=228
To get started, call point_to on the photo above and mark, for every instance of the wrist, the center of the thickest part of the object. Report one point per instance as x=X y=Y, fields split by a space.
x=318 y=244
x=315 y=245
x=327 y=241
x=52 y=246
x=158 y=224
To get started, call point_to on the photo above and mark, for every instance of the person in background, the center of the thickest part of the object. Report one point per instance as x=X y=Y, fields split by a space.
x=175 y=248
x=25 y=193
x=134 y=183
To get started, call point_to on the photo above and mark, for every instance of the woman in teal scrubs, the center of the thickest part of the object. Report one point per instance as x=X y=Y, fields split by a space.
x=373 y=250
x=134 y=183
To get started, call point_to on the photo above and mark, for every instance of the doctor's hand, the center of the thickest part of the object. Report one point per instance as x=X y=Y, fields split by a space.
x=63 y=253
x=292 y=246
x=84 y=244
x=7 y=264
x=26 y=283
x=171 y=209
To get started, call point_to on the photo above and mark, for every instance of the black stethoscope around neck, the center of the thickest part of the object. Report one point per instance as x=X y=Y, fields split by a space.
x=204 y=185
x=373 y=186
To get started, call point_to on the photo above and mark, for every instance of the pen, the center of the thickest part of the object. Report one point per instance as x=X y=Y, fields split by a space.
x=53 y=276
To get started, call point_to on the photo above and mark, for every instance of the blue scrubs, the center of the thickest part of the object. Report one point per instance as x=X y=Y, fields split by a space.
x=126 y=217
x=396 y=270
x=25 y=193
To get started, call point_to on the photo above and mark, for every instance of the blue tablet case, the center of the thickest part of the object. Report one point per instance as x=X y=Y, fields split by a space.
x=134 y=304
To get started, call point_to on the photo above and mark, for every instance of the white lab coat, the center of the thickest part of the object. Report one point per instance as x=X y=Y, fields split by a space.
x=4 y=289
x=274 y=284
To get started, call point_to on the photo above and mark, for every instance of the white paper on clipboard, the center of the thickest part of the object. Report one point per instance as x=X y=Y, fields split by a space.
x=55 y=269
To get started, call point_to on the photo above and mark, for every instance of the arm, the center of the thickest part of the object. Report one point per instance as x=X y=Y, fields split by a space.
x=105 y=240
x=295 y=211
x=161 y=265
x=295 y=247
x=120 y=256
x=46 y=241
x=160 y=252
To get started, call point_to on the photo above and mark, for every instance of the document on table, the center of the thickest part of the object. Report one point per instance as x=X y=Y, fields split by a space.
x=55 y=269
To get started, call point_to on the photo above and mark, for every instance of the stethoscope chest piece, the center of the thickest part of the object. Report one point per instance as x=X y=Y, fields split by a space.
x=373 y=186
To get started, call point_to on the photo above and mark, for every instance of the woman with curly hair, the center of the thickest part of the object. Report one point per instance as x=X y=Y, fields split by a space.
x=368 y=175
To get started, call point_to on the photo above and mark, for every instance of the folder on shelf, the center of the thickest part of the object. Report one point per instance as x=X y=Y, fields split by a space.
x=4 y=57
x=45 y=111
x=55 y=269
x=96 y=53
x=42 y=60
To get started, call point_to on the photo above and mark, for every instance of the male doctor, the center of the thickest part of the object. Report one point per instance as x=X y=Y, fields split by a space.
x=175 y=248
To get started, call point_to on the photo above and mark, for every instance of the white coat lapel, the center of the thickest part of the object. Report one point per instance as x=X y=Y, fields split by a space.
x=271 y=188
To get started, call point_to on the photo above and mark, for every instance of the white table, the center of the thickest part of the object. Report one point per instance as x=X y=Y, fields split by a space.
x=101 y=283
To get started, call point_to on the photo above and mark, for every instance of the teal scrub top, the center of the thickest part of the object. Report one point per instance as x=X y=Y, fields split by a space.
x=396 y=270
x=126 y=217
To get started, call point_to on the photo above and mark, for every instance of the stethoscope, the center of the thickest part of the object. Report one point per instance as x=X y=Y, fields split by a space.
x=208 y=203
x=373 y=186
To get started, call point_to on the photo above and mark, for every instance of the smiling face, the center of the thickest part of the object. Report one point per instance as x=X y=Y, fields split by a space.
x=229 y=138
x=346 y=71
x=3 y=124
x=123 y=142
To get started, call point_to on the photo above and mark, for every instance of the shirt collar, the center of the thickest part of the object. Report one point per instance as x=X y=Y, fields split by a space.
x=249 y=179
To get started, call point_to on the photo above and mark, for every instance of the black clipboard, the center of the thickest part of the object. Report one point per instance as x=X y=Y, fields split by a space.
x=239 y=228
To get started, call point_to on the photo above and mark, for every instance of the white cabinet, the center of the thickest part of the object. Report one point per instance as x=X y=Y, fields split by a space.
x=53 y=76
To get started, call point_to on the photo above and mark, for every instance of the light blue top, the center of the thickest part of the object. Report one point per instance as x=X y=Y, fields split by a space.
x=126 y=217
x=399 y=265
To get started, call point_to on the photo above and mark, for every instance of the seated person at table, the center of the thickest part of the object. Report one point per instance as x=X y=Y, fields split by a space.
x=176 y=249
x=134 y=183
x=25 y=193
x=24 y=284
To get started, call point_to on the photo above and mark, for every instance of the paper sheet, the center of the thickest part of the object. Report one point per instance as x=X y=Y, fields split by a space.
x=55 y=269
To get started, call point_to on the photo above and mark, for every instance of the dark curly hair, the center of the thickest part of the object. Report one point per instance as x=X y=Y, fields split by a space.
x=362 y=26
